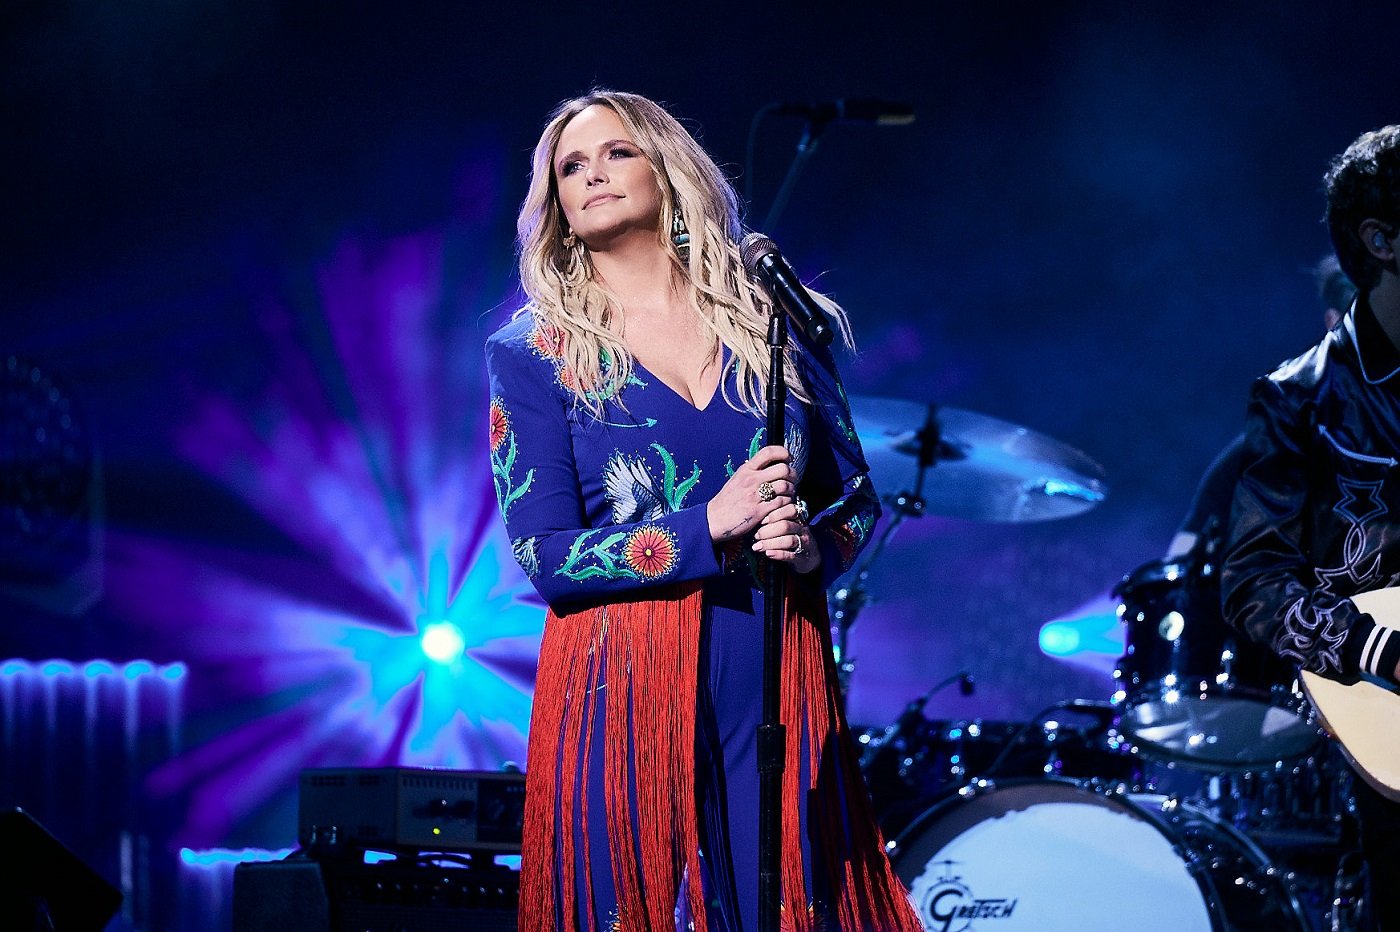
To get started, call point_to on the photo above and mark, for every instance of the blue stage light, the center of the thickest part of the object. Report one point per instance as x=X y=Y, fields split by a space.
x=1059 y=639
x=1093 y=640
x=137 y=669
x=210 y=857
x=93 y=669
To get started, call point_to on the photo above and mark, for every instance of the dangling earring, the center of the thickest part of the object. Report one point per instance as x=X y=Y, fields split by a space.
x=570 y=240
x=680 y=235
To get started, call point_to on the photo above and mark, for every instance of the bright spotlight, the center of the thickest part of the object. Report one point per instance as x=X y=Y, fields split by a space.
x=443 y=642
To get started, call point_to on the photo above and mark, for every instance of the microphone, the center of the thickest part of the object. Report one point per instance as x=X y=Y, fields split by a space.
x=852 y=110
x=763 y=261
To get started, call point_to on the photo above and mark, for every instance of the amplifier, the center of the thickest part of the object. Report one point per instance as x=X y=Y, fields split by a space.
x=410 y=808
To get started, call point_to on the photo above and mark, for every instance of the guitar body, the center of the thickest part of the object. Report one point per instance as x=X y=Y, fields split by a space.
x=1363 y=715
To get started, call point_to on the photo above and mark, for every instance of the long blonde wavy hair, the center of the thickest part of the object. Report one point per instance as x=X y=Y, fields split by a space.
x=562 y=292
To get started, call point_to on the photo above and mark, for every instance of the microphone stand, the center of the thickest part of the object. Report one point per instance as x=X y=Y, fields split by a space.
x=772 y=738
x=806 y=147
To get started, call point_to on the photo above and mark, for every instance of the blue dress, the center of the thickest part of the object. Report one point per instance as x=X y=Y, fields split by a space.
x=606 y=509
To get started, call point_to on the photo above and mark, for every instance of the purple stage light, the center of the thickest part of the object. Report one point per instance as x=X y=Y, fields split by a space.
x=396 y=628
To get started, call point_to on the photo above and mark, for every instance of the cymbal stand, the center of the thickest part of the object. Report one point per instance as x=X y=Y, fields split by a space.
x=847 y=601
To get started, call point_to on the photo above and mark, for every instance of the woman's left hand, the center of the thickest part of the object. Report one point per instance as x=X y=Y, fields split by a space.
x=784 y=537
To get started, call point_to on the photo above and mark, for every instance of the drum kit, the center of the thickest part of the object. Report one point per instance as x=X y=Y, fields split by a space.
x=1199 y=794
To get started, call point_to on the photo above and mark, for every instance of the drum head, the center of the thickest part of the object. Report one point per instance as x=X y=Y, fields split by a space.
x=1048 y=855
x=1234 y=732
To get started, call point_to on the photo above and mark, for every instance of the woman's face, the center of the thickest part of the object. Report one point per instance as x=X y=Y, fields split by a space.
x=605 y=183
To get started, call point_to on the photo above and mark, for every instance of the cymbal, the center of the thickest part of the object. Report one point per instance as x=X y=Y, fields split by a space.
x=967 y=465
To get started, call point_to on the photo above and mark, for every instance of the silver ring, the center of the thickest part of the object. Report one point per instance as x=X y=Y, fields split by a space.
x=799 y=550
x=802 y=513
x=766 y=492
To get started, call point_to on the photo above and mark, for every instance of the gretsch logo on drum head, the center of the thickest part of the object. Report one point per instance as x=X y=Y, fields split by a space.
x=946 y=904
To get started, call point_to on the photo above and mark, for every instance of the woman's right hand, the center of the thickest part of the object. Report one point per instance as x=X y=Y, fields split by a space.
x=738 y=508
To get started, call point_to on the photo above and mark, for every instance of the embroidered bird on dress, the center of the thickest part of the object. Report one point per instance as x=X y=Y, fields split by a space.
x=631 y=490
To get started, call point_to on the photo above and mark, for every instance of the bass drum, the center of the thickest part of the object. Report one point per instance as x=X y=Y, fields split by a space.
x=1047 y=854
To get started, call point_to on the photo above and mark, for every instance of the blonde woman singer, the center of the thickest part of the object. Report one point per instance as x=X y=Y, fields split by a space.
x=628 y=452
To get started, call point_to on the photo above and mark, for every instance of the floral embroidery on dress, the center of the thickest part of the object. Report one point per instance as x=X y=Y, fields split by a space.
x=848 y=430
x=500 y=424
x=547 y=341
x=850 y=537
x=621 y=555
x=508 y=490
x=651 y=551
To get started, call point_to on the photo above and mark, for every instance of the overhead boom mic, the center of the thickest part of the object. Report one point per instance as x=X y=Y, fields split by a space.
x=763 y=261
x=870 y=110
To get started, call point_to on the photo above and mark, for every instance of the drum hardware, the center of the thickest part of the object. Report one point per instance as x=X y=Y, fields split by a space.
x=1301 y=813
x=1094 y=754
x=1301 y=803
x=1347 y=907
x=848 y=600
x=1292 y=820
x=955 y=464
x=925 y=761
x=911 y=720
x=922 y=444
x=916 y=760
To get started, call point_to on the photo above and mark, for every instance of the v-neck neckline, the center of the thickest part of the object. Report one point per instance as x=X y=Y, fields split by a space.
x=699 y=409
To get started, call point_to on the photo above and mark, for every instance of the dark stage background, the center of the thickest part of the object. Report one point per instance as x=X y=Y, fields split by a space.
x=259 y=246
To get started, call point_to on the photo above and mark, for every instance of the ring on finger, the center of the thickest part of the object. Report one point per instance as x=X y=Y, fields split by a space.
x=798 y=550
x=766 y=492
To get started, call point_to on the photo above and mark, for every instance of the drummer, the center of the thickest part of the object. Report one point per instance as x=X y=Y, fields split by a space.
x=1209 y=515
